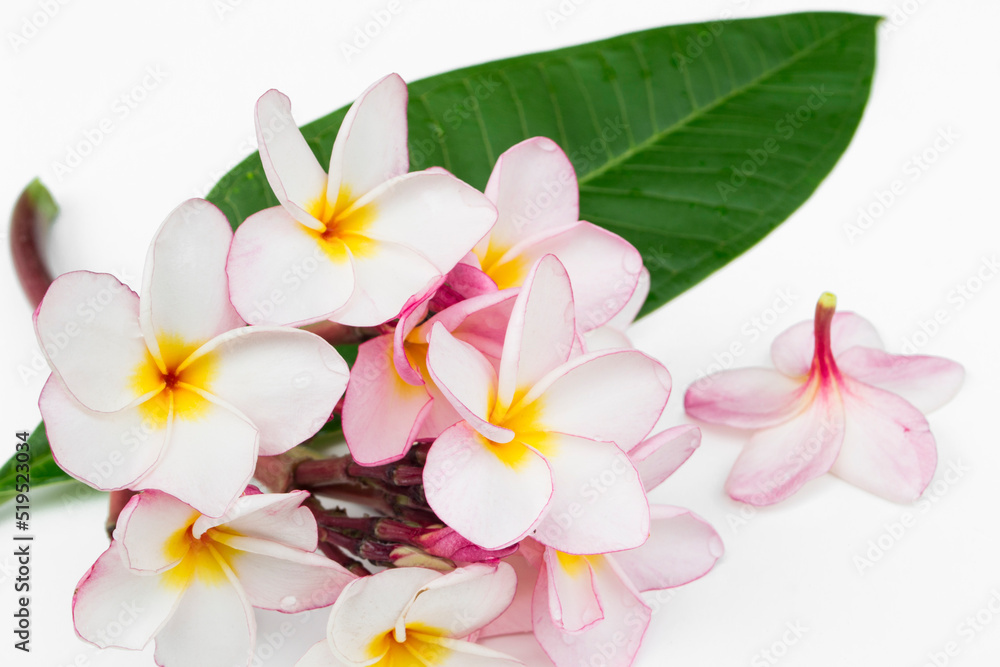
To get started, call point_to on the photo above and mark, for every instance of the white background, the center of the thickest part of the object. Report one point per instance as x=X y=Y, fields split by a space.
x=791 y=564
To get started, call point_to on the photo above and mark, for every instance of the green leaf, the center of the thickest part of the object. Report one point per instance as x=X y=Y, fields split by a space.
x=43 y=468
x=693 y=142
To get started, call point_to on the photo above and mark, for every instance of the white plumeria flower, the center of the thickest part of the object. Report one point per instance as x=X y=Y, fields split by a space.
x=192 y=581
x=415 y=617
x=352 y=245
x=536 y=435
x=169 y=390
x=535 y=190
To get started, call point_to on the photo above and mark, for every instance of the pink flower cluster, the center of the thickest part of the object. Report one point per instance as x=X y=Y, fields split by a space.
x=494 y=330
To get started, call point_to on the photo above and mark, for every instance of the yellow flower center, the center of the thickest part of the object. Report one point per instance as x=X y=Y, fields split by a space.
x=345 y=224
x=174 y=380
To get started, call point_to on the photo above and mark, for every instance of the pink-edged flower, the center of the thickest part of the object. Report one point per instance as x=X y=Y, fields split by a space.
x=169 y=390
x=192 y=581
x=354 y=244
x=391 y=399
x=576 y=604
x=415 y=616
x=612 y=334
x=535 y=436
x=534 y=187
x=836 y=403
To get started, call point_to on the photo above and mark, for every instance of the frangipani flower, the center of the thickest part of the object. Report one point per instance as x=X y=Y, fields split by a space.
x=837 y=403
x=577 y=604
x=415 y=617
x=192 y=581
x=536 y=436
x=534 y=187
x=169 y=390
x=391 y=399
x=352 y=245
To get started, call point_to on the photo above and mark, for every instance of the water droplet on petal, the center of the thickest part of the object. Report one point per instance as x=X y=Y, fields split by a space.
x=288 y=602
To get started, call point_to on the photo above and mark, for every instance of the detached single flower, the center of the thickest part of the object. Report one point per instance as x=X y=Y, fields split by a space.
x=192 y=581
x=352 y=245
x=837 y=403
x=170 y=390
x=413 y=616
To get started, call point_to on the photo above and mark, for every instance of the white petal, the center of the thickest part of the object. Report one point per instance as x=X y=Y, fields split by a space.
x=285 y=381
x=280 y=274
x=207 y=461
x=369 y=608
x=293 y=171
x=213 y=626
x=108 y=450
x=152 y=530
x=573 y=601
x=277 y=517
x=281 y=578
x=467 y=380
x=466 y=480
x=616 y=396
x=114 y=606
x=464 y=600
x=659 y=456
x=598 y=503
x=541 y=332
x=88 y=327
x=185 y=290
x=371 y=144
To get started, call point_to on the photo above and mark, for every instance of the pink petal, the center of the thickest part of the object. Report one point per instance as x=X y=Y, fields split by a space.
x=792 y=351
x=480 y=321
x=616 y=396
x=224 y=447
x=185 y=289
x=482 y=592
x=371 y=144
x=573 y=602
x=682 y=547
x=490 y=502
x=626 y=618
x=286 y=382
x=745 y=398
x=659 y=456
x=213 y=625
x=624 y=317
x=541 y=331
x=371 y=606
x=598 y=503
x=534 y=187
x=293 y=171
x=779 y=460
x=603 y=268
x=278 y=274
x=108 y=451
x=114 y=606
x=150 y=522
x=281 y=578
x=413 y=312
x=463 y=282
x=925 y=382
x=382 y=412
x=888 y=448
x=88 y=327
x=467 y=380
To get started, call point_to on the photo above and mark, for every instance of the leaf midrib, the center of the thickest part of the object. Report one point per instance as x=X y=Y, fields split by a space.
x=700 y=112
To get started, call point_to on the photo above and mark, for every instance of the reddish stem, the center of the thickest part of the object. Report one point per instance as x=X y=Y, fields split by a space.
x=33 y=213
